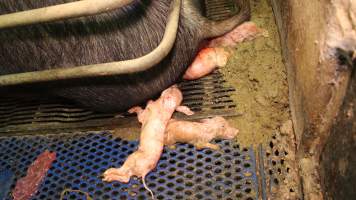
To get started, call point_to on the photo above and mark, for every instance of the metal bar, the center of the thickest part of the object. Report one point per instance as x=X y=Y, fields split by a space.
x=60 y=12
x=105 y=69
x=262 y=172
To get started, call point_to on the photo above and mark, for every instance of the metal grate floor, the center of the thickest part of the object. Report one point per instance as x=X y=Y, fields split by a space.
x=220 y=9
x=182 y=173
x=30 y=126
x=279 y=168
x=208 y=96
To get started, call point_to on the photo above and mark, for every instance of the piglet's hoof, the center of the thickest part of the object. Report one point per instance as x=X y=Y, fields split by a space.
x=114 y=174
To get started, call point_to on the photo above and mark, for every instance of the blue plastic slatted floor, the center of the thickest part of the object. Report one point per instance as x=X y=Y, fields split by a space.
x=182 y=173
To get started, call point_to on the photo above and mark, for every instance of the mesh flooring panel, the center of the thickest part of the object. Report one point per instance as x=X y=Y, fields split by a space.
x=182 y=173
x=280 y=168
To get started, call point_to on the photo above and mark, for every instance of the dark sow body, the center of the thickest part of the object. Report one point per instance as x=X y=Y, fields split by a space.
x=122 y=34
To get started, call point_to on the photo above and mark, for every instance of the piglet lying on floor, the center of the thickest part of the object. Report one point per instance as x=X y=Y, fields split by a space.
x=199 y=134
x=154 y=120
x=215 y=54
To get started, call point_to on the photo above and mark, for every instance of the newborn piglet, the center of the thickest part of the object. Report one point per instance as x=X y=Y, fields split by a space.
x=245 y=32
x=199 y=134
x=215 y=53
x=154 y=119
x=206 y=61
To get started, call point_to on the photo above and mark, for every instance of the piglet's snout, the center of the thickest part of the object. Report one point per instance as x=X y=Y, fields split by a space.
x=226 y=131
x=230 y=133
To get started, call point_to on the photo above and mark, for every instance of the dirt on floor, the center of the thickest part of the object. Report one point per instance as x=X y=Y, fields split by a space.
x=257 y=72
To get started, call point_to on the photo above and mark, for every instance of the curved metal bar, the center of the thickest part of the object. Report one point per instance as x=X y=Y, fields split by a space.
x=105 y=69
x=60 y=12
